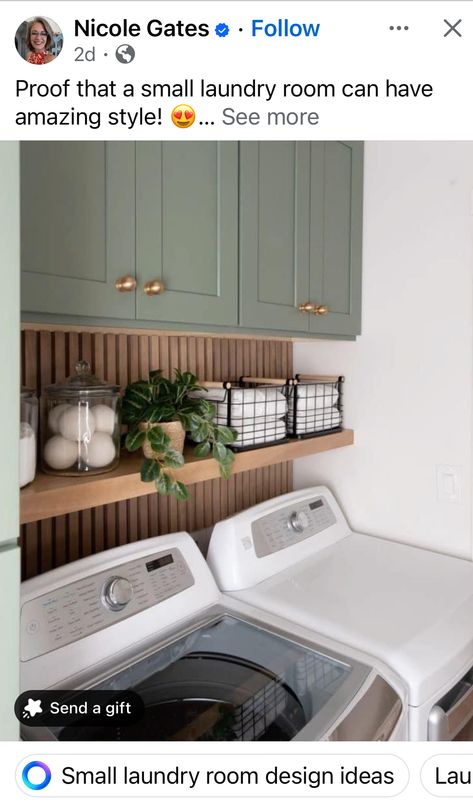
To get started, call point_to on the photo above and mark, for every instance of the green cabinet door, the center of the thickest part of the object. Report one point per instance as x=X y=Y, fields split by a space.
x=77 y=227
x=274 y=234
x=336 y=217
x=300 y=235
x=187 y=231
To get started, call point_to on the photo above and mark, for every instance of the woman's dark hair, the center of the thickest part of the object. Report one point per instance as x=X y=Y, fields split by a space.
x=47 y=28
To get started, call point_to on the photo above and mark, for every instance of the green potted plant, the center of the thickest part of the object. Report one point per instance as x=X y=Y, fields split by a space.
x=160 y=412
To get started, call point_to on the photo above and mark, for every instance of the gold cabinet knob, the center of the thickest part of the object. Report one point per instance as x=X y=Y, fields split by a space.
x=125 y=284
x=154 y=287
x=321 y=310
x=308 y=306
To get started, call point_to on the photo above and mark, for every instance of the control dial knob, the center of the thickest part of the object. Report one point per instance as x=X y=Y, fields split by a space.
x=297 y=521
x=117 y=592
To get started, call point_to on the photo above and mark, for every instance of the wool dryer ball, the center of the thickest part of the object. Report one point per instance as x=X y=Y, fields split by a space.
x=104 y=418
x=77 y=423
x=54 y=415
x=60 y=453
x=100 y=451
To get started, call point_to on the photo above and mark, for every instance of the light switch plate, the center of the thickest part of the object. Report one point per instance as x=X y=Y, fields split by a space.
x=450 y=483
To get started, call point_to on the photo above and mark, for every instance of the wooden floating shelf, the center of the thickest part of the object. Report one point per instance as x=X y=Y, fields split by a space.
x=49 y=496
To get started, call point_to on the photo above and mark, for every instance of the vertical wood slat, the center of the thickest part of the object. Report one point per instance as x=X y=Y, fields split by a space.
x=73 y=535
x=153 y=516
x=118 y=357
x=74 y=353
x=122 y=523
x=60 y=540
x=208 y=370
x=164 y=355
x=217 y=360
x=200 y=358
x=143 y=520
x=59 y=365
x=85 y=346
x=132 y=519
x=29 y=359
x=86 y=533
x=143 y=351
x=154 y=352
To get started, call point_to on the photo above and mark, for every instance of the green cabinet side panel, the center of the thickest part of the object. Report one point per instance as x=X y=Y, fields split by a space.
x=274 y=234
x=9 y=337
x=10 y=414
x=77 y=227
x=187 y=231
x=336 y=218
x=10 y=629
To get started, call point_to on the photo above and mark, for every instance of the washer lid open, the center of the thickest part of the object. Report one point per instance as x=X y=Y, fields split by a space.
x=229 y=680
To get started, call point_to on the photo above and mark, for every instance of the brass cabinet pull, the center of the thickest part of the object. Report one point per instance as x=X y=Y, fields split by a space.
x=154 y=287
x=308 y=306
x=316 y=309
x=125 y=284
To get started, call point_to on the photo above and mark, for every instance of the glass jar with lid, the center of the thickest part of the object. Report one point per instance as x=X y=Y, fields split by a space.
x=80 y=425
x=28 y=435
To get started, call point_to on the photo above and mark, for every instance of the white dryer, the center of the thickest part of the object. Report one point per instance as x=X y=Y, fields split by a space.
x=148 y=617
x=408 y=608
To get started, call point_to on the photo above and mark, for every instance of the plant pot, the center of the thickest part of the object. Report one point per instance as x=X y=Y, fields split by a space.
x=174 y=431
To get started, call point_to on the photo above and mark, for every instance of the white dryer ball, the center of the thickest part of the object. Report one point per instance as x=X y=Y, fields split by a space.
x=100 y=451
x=54 y=415
x=60 y=453
x=104 y=418
x=77 y=423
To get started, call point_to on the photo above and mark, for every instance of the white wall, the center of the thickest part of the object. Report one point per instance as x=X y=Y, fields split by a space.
x=408 y=389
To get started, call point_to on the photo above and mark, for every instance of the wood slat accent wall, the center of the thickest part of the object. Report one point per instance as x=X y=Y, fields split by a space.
x=49 y=355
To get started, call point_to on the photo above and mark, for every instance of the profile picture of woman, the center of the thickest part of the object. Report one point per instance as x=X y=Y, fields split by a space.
x=38 y=40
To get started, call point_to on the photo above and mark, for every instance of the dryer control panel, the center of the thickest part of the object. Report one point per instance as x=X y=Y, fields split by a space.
x=258 y=543
x=290 y=525
x=86 y=606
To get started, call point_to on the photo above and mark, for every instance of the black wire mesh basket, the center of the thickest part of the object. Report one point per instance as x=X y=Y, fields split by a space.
x=256 y=408
x=314 y=405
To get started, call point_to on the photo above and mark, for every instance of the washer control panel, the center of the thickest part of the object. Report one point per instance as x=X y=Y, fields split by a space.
x=291 y=525
x=89 y=605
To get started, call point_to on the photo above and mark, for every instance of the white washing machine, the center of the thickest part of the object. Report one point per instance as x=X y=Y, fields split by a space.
x=148 y=617
x=296 y=557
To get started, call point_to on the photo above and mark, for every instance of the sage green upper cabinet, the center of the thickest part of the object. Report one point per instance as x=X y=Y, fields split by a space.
x=234 y=235
x=187 y=231
x=300 y=236
x=77 y=227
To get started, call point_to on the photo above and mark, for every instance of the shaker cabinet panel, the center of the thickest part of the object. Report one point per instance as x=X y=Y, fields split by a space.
x=274 y=234
x=77 y=232
x=187 y=231
x=335 y=236
x=300 y=236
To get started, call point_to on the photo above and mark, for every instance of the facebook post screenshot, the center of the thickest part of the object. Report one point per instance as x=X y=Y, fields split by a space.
x=236 y=315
